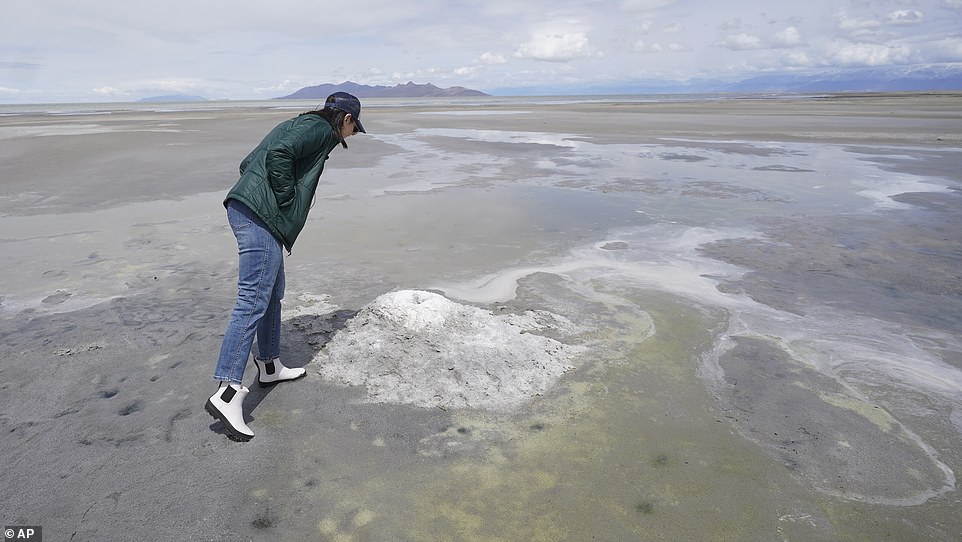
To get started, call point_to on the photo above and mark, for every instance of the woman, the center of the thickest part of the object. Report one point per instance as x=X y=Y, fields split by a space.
x=267 y=209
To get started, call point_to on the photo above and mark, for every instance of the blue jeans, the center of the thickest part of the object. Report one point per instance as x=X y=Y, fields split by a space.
x=260 y=288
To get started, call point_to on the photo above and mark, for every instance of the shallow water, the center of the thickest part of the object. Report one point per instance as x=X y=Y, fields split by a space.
x=744 y=336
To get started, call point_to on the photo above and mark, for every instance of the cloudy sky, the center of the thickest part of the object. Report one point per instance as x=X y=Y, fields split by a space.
x=107 y=50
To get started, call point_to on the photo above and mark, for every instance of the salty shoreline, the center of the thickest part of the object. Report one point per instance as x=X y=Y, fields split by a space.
x=767 y=292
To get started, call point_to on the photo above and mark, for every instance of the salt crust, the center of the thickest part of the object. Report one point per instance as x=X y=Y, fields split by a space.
x=418 y=347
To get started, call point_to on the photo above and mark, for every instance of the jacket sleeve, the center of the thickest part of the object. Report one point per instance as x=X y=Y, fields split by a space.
x=302 y=139
x=247 y=160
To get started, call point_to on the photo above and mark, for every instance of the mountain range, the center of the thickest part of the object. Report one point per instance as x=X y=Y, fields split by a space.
x=897 y=79
x=926 y=78
x=407 y=90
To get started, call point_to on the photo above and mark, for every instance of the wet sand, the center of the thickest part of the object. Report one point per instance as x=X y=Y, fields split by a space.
x=765 y=295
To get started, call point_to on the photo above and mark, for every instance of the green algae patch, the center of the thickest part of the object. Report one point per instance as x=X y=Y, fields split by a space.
x=870 y=412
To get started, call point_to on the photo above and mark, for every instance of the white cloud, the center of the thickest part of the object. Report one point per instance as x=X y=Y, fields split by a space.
x=733 y=24
x=107 y=91
x=741 y=42
x=645 y=5
x=869 y=54
x=491 y=58
x=641 y=46
x=145 y=87
x=56 y=52
x=855 y=24
x=284 y=85
x=905 y=16
x=555 y=47
x=788 y=37
x=796 y=58
x=170 y=85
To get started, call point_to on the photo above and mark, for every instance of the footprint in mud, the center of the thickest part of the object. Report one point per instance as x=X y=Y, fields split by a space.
x=615 y=245
x=265 y=520
x=136 y=406
x=181 y=414
x=646 y=507
x=92 y=259
x=79 y=349
x=191 y=337
x=137 y=243
x=67 y=412
x=56 y=298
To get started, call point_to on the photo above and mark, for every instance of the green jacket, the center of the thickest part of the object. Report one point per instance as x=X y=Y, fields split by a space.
x=279 y=177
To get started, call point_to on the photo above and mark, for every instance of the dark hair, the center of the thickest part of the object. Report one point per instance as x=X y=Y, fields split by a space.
x=333 y=116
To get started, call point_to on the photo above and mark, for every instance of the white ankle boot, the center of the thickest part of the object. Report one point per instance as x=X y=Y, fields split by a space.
x=225 y=405
x=271 y=372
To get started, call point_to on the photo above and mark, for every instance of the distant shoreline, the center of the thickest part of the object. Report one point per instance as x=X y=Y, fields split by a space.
x=98 y=108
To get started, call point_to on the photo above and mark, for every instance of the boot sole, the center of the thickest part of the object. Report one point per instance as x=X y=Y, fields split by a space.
x=276 y=382
x=232 y=433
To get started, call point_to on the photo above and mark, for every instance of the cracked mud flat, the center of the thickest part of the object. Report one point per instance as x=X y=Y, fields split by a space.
x=735 y=338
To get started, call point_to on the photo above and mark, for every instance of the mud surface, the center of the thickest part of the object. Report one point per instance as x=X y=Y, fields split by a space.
x=746 y=315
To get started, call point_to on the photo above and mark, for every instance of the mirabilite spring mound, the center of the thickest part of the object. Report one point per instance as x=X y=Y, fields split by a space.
x=420 y=348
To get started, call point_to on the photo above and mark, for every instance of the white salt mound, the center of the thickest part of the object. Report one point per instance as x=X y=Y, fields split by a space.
x=421 y=348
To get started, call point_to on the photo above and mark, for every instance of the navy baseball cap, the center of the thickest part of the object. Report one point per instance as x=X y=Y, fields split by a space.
x=347 y=103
